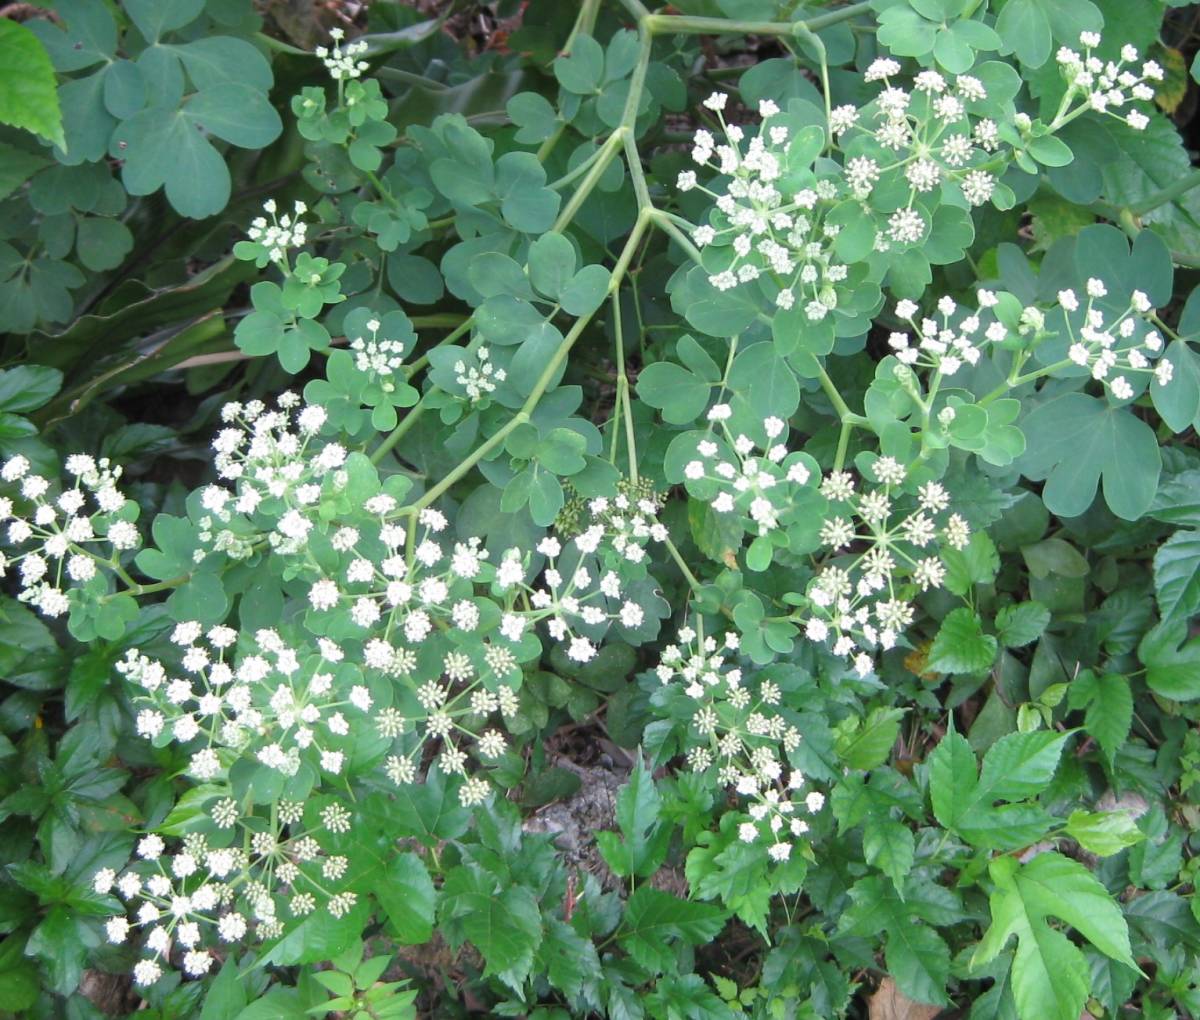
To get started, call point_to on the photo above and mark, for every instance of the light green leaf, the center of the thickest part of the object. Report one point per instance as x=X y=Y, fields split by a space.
x=1050 y=976
x=1103 y=833
x=28 y=88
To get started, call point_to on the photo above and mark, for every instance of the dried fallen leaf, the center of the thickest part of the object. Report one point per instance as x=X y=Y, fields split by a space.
x=889 y=1003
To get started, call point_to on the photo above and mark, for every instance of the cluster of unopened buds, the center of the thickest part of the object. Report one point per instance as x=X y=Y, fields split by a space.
x=64 y=538
x=739 y=730
x=1109 y=86
x=280 y=234
x=1113 y=350
x=879 y=555
x=241 y=876
x=343 y=62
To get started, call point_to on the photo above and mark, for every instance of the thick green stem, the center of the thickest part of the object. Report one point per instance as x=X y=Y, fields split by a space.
x=1168 y=194
x=607 y=153
x=624 y=405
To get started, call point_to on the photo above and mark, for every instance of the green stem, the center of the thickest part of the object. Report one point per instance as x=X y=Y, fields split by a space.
x=681 y=563
x=607 y=152
x=463 y=326
x=663 y=221
x=623 y=401
x=543 y=382
x=378 y=185
x=814 y=40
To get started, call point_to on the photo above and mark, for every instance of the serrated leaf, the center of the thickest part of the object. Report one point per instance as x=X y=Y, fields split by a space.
x=28 y=88
x=653 y=918
x=407 y=896
x=1177 y=576
x=1017 y=766
x=961 y=646
x=1109 y=703
x=1021 y=623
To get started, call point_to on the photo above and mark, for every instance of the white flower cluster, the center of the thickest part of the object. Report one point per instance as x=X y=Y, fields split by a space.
x=929 y=134
x=740 y=729
x=770 y=232
x=943 y=347
x=627 y=524
x=65 y=537
x=577 y=600
x=480 y=379
x=277 y=702
x=268 y=457
x=880 y=553
x=1110 y=87
x=282 y=233
x=342 y=61
x=1113 y=350
x=375 y=356
x=245 y=875
x=756 y=480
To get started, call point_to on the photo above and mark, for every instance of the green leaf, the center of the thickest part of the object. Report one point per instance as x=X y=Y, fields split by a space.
x=1017 y=766
x=407 y=896
x=653 y=917
x=506 y=927
x=154 y=17
x=916 y=955
x=975 y=564
x=868 y=743
x=16 y=167
x=586 y=289
x=1177 y=576
x=567 y=958
x=890 y=846
x=220 y=59
x=525 y=202
x=551 y=264
x=1172 y=662
x=1109 y=703
x=227 y=995
x=28 y=387
x=28 y=88
x=644 y=843
x=1050 y=976
x=1075 y=441
x=1103 y=833
x=961 y=646
x=1021 y=623
x=533 y=115
x=582 y=69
